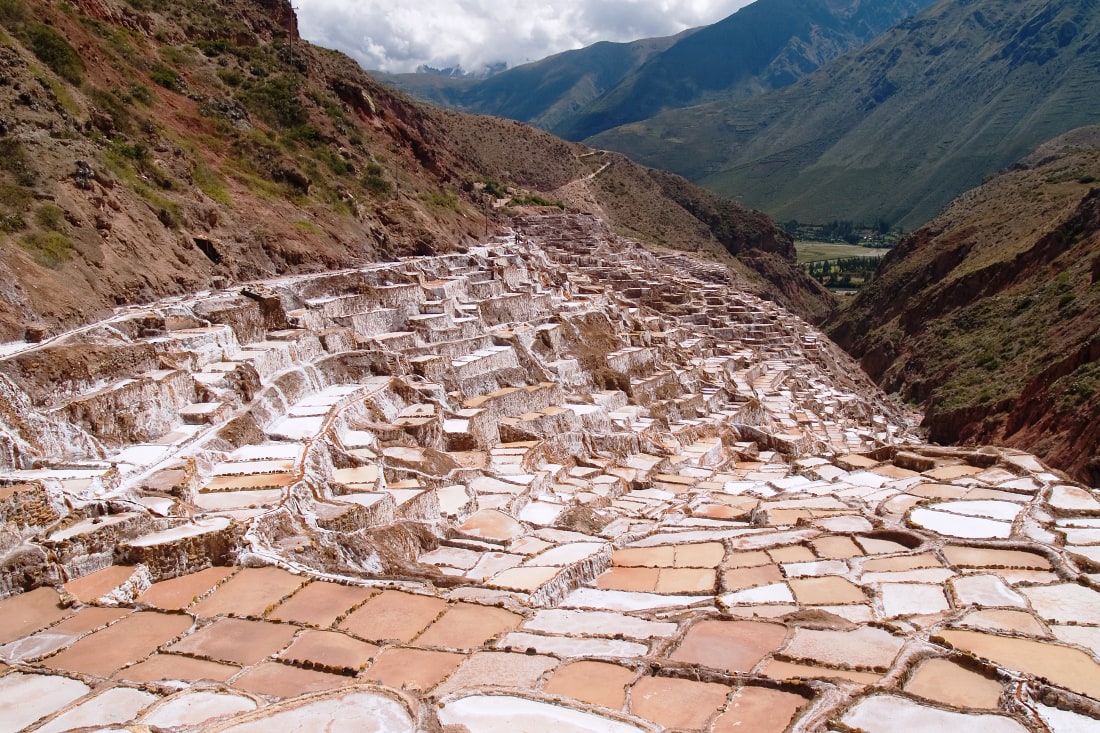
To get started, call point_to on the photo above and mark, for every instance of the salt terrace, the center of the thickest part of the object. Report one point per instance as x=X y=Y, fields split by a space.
x=556 y=482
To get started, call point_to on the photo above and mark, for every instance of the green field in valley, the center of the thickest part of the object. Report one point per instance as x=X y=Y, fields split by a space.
x=819 y=251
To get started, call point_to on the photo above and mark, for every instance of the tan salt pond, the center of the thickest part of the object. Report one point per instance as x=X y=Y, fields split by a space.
x=250 y=592
x=330 y=650
x=759 y=710
x=676 y=703
x=236 y=641
x=943 y=681
x=836 y=548
x=415 y=669
x=249 y=483
x=826 y=591
x=92 y=586
x=179 y=593
x=598 y=683
x=62 y=633
x=908 y=562
x=466 y=626
x=527 y=579
x=741 y=578
x=393 y=615
x=28 y=612
x=1062 y=665
x=162 y=667
x=734 y=646
x=320 y=603
x=283 y=680
x=129 y=640
x=493 y=525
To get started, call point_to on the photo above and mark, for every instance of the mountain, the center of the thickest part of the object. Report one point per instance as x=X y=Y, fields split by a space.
x=987 y=316
x=898 y=128
x=544 y=93
x=766 y=45
x=149 y=150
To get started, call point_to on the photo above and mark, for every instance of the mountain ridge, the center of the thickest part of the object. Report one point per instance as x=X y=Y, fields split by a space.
x=898 y=128
x=202 y=145
x=986 y=317
x=576 y=94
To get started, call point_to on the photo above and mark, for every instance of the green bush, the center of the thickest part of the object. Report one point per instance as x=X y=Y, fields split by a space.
x=48 y=249
x=496 y=189
x=13 y=159
x=165 y=77
x=442 y=200
x=276 y=102
x=377 y=185
x=12 y=223
x=50 y=216
x=55 y=52
x=232 y=77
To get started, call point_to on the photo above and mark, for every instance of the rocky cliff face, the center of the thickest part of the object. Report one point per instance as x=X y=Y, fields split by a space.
x=987 y=316
x=152 y=151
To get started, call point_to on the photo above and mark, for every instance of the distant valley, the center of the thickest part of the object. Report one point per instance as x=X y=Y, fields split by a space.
x=577 y=94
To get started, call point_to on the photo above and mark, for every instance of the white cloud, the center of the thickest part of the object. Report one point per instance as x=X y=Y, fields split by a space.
x=399 y=36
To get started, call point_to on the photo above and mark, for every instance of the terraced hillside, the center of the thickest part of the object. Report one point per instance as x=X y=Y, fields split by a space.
x=553 y=482
x=152 y=150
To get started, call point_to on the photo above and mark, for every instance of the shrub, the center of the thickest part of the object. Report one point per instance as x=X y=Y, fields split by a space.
x=442 y=200
x=377 y=185
x=276 y=102
x=496 y=189
x=50 y=216
x=55 y=52
x=49 y=249
x=165 y=77
x=12 y=223
x=232 y=77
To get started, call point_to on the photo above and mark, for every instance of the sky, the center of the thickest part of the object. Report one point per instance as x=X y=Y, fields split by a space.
x=402 y=35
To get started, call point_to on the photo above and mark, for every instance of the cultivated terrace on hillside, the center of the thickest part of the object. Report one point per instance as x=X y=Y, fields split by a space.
x=555 y=482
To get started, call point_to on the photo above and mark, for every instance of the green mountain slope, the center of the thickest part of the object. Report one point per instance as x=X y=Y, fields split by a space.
x=987 y=317
x=898 y=128
x=544 y=93
x=764 y=46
